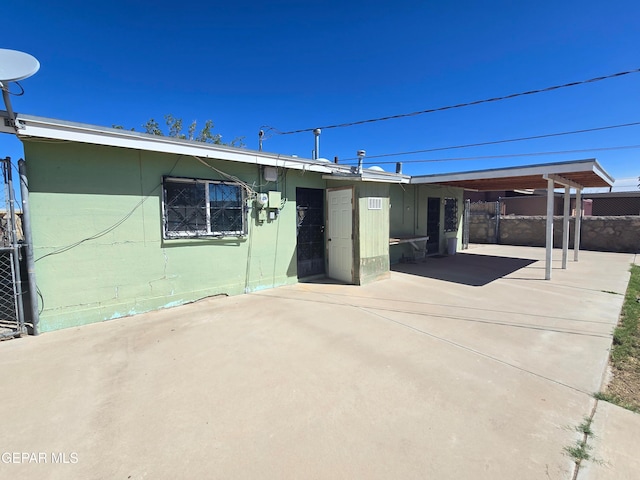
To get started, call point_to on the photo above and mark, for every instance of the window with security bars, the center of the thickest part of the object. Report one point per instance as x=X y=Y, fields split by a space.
x=198 y=208
x=450 y=214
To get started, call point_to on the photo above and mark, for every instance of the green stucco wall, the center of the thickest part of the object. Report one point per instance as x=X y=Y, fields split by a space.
x=409 y=215
x=97 y=230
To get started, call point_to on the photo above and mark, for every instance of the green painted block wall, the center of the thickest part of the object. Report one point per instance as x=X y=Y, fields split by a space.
x=97 y=230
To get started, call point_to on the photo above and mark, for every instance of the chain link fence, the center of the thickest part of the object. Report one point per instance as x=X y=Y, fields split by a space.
x=11 y=308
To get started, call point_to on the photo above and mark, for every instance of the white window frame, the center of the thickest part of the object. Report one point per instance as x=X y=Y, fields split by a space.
x=167 y=234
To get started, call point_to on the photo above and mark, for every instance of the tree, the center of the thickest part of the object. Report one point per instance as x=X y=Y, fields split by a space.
x=175 y=126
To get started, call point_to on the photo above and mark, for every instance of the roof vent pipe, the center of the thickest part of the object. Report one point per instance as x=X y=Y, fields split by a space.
x=260 y=138
x=399 y=167
x=361 y=154
x=316 y=151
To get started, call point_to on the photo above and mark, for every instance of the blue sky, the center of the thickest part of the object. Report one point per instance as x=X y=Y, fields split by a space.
x=299 y=64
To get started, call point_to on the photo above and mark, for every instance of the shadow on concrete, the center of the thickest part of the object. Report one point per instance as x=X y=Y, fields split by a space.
x=467 y=269
x=322 y=279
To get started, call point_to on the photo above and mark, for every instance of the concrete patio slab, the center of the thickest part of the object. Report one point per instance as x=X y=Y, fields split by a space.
x=615 y=445
x=475 y=375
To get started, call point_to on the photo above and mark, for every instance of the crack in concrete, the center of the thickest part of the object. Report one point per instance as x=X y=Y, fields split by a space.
x=585 y=438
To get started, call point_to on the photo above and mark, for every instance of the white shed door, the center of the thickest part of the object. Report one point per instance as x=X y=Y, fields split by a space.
x=339 y=235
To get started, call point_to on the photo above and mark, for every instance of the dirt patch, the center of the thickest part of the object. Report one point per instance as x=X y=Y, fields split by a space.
x=625 y=384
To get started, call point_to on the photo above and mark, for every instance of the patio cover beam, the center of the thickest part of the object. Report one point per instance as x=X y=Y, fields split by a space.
x=565 y=182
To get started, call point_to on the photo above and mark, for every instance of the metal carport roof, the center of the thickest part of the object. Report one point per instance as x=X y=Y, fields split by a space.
x=576 y=174
x=586 y=173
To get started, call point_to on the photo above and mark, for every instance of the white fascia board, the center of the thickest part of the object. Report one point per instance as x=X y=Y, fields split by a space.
x=598 y=170
x=43 y=128
x=368 y=177
x=386 y=177
x=550 y=168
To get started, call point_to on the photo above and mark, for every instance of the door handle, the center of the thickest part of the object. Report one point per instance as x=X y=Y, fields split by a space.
x=328 y=239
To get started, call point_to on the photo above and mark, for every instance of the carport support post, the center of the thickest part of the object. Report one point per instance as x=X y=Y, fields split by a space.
x=565 y=226
x=577 y=225
x=549 y=240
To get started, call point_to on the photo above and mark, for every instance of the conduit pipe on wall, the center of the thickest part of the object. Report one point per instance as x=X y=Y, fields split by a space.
x=28 y=245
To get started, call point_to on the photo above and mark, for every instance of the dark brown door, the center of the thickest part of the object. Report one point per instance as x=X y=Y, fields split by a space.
x=433 y=225
x=310 y=231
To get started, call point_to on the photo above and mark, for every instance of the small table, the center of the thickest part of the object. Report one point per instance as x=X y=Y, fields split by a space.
x=413 y=241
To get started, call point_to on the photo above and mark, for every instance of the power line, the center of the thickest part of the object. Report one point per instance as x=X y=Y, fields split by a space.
x=532 y=154
x=496 y=142
x=459 y=105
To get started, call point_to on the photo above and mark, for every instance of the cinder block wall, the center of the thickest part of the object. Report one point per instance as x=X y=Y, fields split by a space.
x=482 y=229
x=606 y=234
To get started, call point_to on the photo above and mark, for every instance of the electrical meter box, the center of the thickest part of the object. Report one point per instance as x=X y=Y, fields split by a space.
x=275 y=199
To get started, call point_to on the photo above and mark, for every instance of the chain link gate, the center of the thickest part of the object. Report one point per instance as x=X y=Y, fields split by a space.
x=11 y=308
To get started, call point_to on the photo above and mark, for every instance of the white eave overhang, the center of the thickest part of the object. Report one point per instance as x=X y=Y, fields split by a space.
x=580 y=173
x=367 y=176
x=38 y=127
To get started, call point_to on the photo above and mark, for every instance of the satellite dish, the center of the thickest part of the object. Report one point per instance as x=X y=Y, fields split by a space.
x=15 y=66
x=376 y=168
